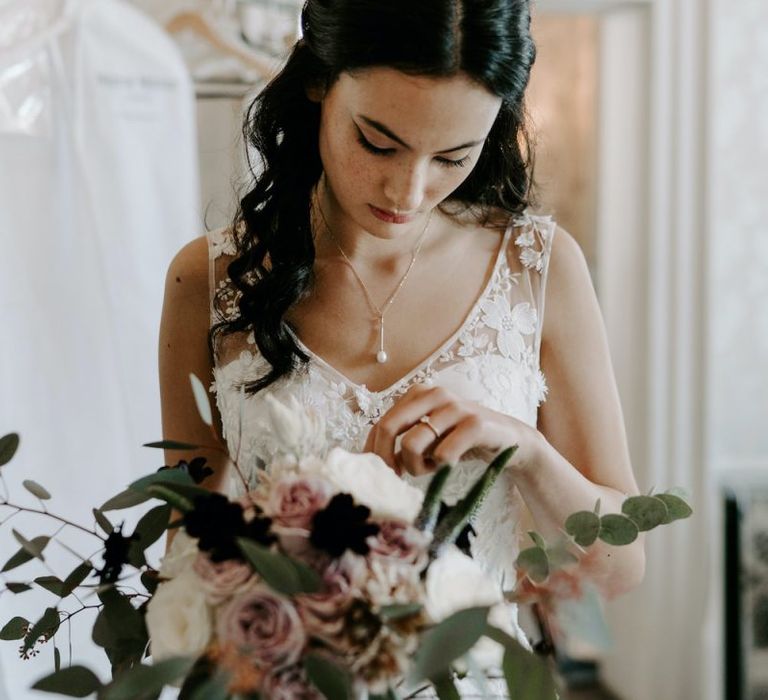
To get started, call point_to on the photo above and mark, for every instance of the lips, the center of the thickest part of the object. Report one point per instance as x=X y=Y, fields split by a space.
x=389 y=217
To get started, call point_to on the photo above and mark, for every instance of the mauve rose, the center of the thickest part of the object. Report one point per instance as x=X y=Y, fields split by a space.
x=399 y=540
x=266 y=627
x=289 y=684
x=293 y=500
x=323 y=613
x=220 y=580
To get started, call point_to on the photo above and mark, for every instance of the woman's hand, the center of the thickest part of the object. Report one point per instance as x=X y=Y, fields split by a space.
x=459 y=426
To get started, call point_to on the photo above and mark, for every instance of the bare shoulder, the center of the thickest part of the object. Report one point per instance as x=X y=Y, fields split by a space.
x=188 y=271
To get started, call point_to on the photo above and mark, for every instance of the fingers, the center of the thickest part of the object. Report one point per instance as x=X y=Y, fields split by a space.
x=419 y=442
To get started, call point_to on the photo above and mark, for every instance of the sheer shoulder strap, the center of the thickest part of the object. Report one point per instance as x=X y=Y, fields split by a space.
x=534 y=242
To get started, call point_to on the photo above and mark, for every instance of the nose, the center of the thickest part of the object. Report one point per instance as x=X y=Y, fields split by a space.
x=404 y=187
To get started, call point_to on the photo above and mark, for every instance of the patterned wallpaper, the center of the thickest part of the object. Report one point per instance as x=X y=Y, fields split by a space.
x=738 y=216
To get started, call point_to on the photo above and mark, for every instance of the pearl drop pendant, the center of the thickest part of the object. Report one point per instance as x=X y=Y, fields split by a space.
x=381 y=357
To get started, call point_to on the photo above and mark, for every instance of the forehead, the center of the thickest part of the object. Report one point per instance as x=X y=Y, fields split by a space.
x=419 y=109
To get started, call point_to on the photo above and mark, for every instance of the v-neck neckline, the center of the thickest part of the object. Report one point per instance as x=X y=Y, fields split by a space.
x=314 y=357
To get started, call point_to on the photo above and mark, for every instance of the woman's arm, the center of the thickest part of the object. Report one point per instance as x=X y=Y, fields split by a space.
x=183 y=349
x=583 y=455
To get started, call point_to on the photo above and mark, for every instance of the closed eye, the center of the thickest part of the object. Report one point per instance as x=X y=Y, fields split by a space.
x=375 y=150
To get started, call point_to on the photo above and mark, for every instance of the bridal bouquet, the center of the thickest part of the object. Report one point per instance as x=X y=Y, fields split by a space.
x=332 y=578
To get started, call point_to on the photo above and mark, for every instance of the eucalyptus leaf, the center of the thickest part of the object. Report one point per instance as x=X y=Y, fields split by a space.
x=446 y=642
x=170 y=496
x=646 y=512
x=73 y=681
x=23 y=556
x=165 y=477
x=51 y=583
x=399 y=611
x=331 y=680
x=103 y=521
x=584 y=527
x=124 y=499
x=46 y=627
x=77 y=576
x=677 y=508
x=538 y=540
x=527 y=676
x=8 y=445
x=56 y=659
x=560 y=557
x=617 y=529
x=152 y=525
x=35 y=546
x=597 y=507
x=201 y=399
x=214 y=688
x=171 y=445
x=142 y=680
x=18 y=587
x=36 y=489
x=281 y=573
x=534 y=562
x=680 y=492
x=15 y=628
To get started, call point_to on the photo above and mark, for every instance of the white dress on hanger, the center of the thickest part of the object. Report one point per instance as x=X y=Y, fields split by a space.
x=492 y=358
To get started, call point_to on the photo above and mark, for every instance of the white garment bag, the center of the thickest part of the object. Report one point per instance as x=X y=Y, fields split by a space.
x=98 y=190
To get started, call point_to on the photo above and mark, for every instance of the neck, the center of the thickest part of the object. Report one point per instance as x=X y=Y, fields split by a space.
x=383 y=251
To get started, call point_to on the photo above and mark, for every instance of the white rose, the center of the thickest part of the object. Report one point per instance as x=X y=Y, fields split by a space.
x=368 y=479
x=179 y=620
x=180 y=555
x=457 y=582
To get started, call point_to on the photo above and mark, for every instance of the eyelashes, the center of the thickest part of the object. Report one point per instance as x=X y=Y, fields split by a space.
x=445 y=162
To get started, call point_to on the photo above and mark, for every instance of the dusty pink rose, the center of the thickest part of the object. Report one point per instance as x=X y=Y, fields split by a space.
x=289 y=684
x=399 y=540
x=220 y=580
x=323 y=613
x=264 y=626
x=292 y=501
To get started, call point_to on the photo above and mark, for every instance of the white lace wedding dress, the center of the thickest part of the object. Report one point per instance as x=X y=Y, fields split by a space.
x=491 y=358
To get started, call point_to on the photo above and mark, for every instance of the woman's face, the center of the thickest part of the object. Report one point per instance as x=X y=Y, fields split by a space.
x=394 y=143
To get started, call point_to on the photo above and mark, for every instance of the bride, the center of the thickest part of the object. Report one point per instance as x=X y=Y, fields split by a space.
x=385 y=269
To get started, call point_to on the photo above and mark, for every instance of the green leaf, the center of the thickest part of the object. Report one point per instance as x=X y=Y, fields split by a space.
x=36 y=489
x=214 y=688
x=597 y=507
x=74 y=682
x=103 y=521
x=201 y=399
x=18 y=587
x=645 y=511
x=23 y=556
x=171 y=445
x=527 y=676
x=680 y=492
x=34 y=546
x=281 y=573
x=617 y=529
x=77 y=576
x=446 y=642
x=16 y=628
x=8 y=445
x=56 y=659
x=399 y=611
x=331 y=680
x=677 y=508
x=124 y=499
x=430 y=507
x=142 y=680
x=152 y=525
x=445 y=688
x=534 y=562
x=584 y=527
x=51 y=583
x=168 y=495
x=46 y=627
x=560 y=556
x=538 y=540
x=165 y=477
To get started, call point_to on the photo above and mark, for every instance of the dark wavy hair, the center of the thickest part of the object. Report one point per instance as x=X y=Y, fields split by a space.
x=488 y=40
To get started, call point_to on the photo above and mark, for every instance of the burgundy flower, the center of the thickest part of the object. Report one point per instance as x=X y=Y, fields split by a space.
x=343 y=525
x=289 y=684
x=264 y=626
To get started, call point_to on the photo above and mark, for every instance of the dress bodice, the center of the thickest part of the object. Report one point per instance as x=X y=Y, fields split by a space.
x=492 y=358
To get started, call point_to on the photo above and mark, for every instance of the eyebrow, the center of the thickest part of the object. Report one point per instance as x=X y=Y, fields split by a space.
x=390 y=134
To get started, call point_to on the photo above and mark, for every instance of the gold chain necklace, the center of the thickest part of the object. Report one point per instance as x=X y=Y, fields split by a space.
x=381 y=355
